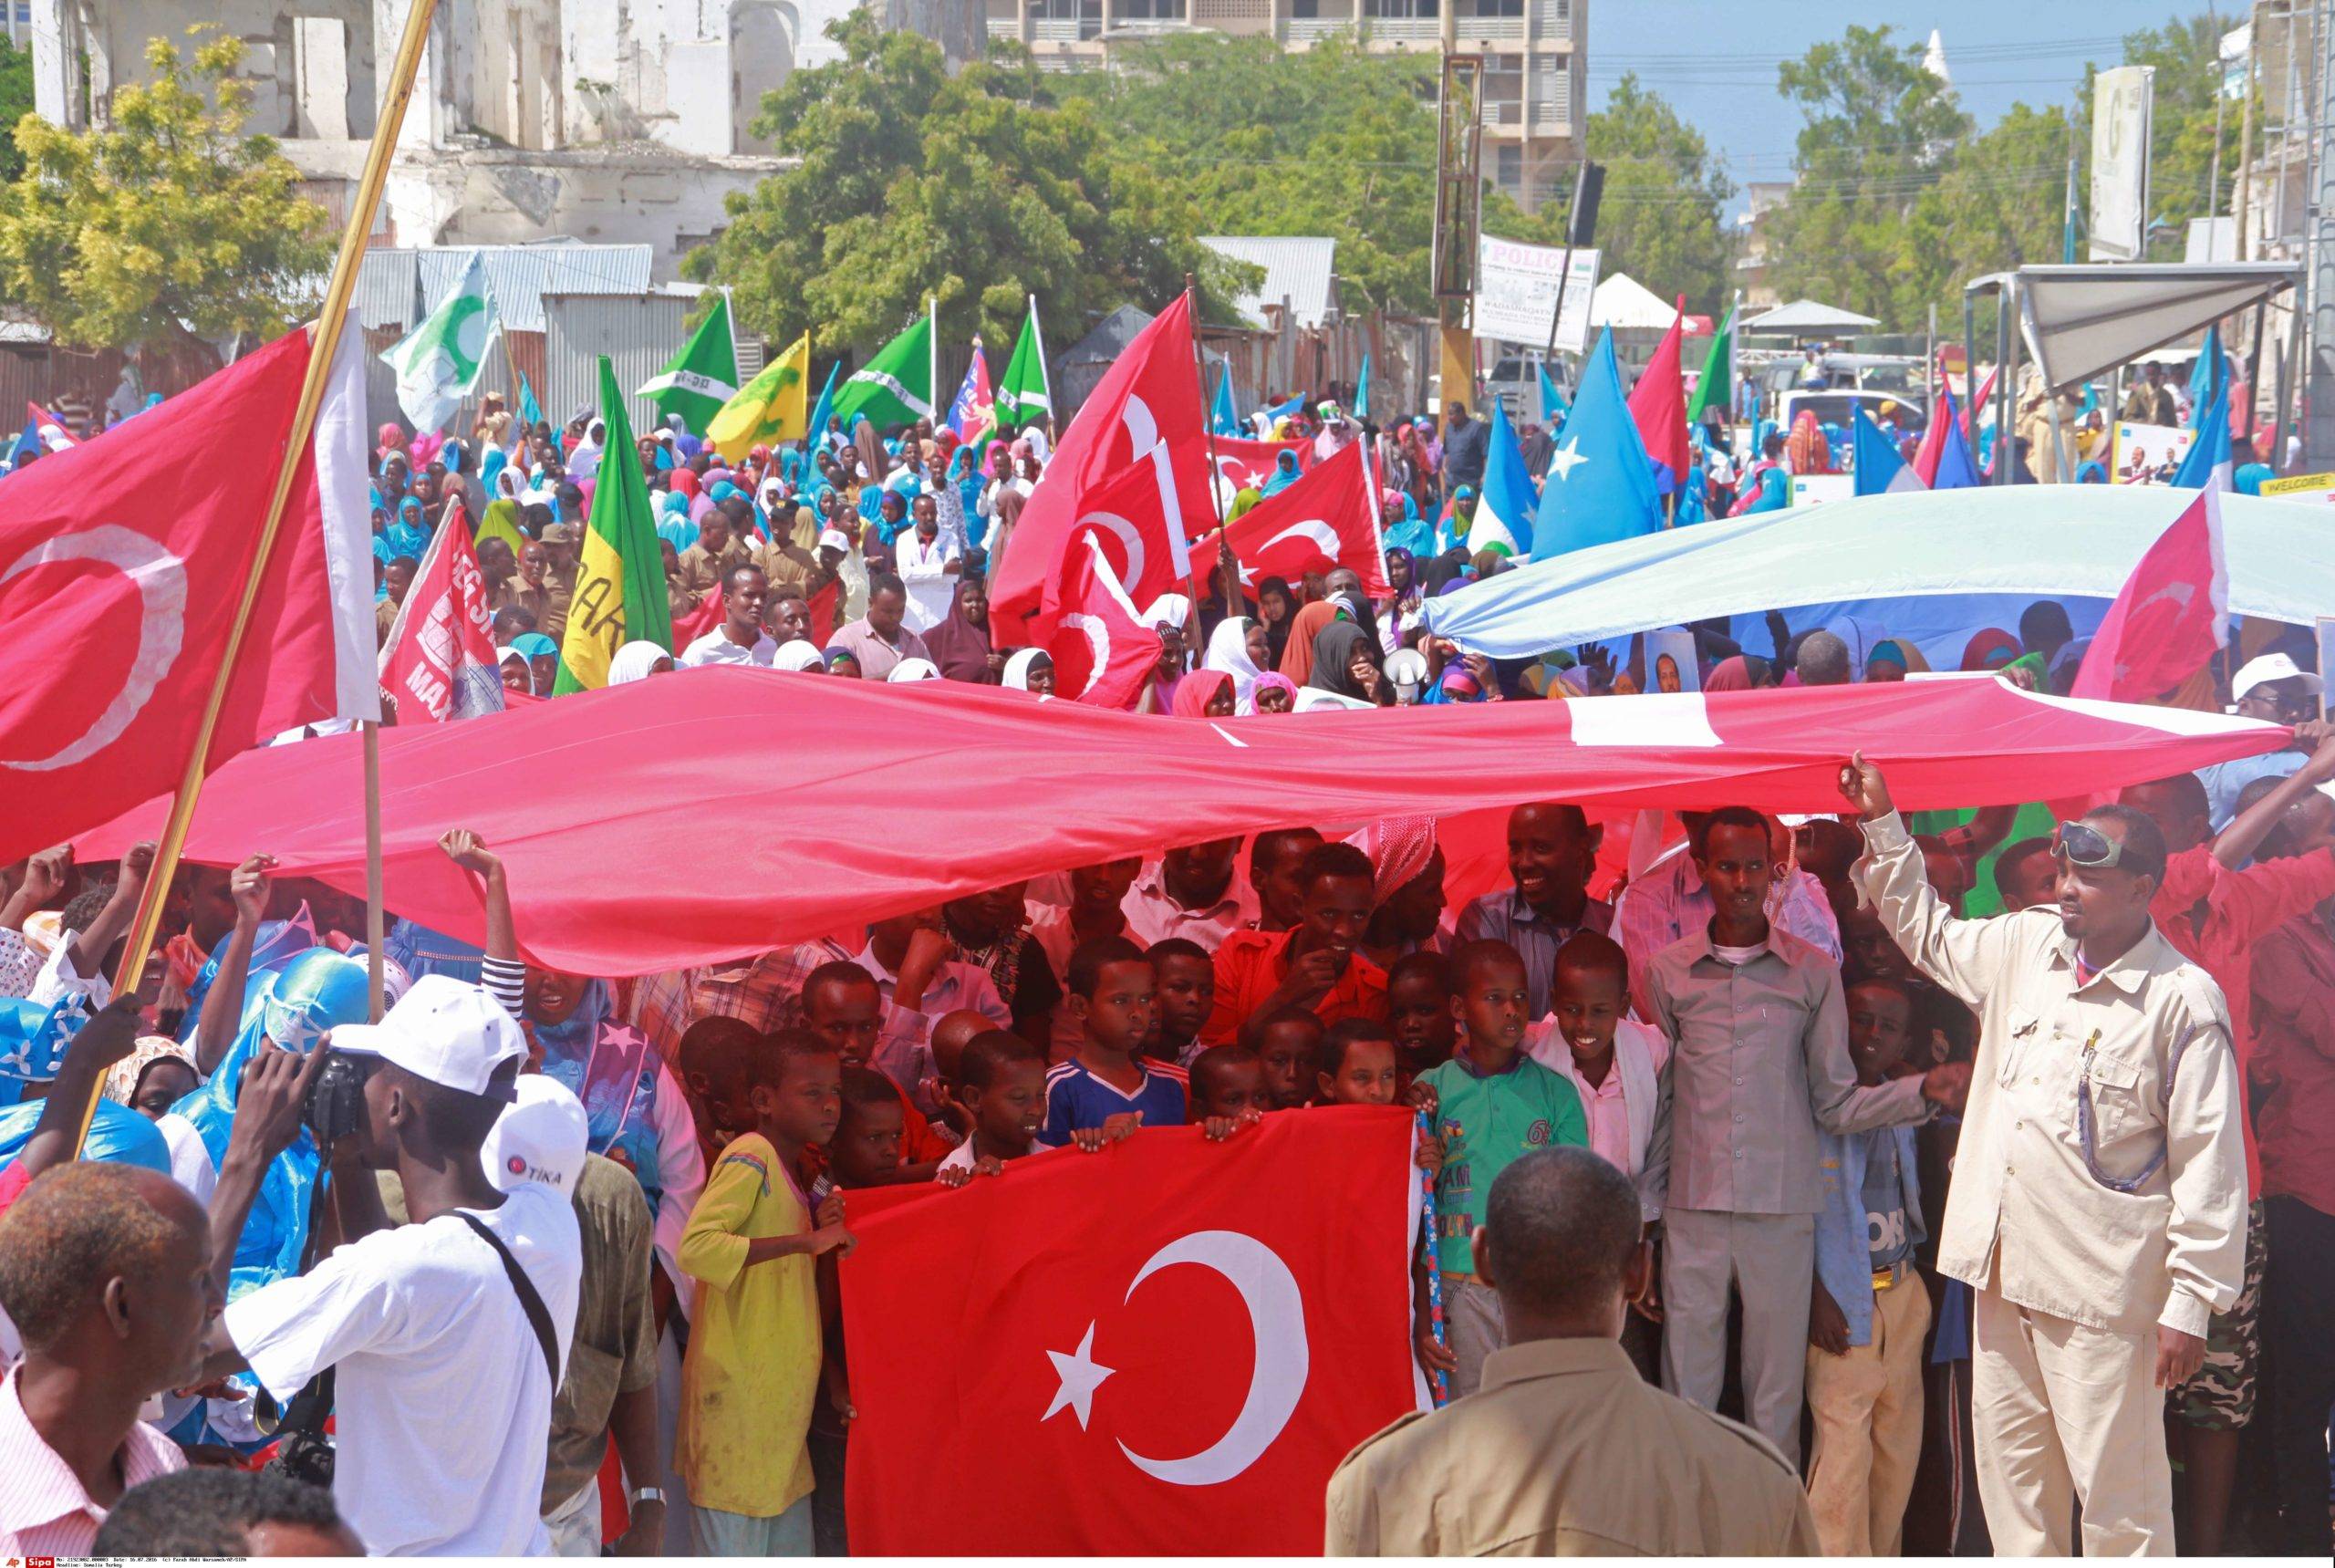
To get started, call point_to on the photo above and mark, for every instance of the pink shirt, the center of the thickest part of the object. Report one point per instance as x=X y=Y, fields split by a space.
x=43 y=1511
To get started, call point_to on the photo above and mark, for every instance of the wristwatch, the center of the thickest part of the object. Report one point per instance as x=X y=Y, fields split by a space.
x=647 y=1494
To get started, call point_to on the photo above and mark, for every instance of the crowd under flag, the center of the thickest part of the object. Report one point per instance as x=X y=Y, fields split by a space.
x=697 y=382
x=620 y=577
x=1658 y=406
x=1554 y=407
x=1715 y=387
x=2171 y=617
x=1026 y=394
x=439 y=362
x=1601 y=483
x=767 y=409
x=1223 y=417
x=895 y=386
x=973 y=415
x=2206 y=464
x=1880 y=470
x=1503 y=519
x=2208 y=378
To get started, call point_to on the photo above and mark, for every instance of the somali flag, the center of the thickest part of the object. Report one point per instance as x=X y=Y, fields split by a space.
x=1504 y=511
x=1880 y=470
x=2208 y=378
x=2206 y=465
x=1223 y=418
x=1601 y=484
x=1554 y=407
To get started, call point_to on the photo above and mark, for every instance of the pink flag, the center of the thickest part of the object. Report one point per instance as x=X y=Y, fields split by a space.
x=439 y=662
x=2170 y=616
x=1659 y=408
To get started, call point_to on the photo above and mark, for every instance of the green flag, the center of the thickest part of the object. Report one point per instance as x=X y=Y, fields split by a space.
x=438 y=363
x=895 y=386
x=620 y=577
x=703 y=375
x=1022 y=394
x=1717 y=383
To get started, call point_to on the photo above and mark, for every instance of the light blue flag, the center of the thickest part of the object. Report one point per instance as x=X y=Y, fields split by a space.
x=1601 y=486
x=1223 y=417
x=1880 y=470
x=1295 y=405
x=1554 y=407
x=1504 y=511
x=529 y=409
x=2206 y=465
x=824 y=411
x=1957 y=470
x=2208 y=378
x=1362 y=391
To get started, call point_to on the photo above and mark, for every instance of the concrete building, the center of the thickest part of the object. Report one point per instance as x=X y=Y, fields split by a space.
x=605 y=121
x=1535 y=90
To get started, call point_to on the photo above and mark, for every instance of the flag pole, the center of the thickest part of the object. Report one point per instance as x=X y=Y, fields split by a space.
x=323 y=343
x=1208 y=424
x=932 y=348
x=1045 y=379
x=374 y=979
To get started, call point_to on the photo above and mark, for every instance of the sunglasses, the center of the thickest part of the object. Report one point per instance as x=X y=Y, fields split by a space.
x=2080 y=843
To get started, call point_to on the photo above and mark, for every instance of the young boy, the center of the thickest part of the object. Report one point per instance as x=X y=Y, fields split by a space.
x=864 y=1152
x=1418 y=1003
x=1107 y=1090
x=1358 y=1063
x=1615 y=1064
x=1869 y=1308
x=866 y=1149
x=1289 y=1048
x=1183 y=979
x=752 y=1366
x=1003 y=1088
x=1228 y=1081
x=1492 y=1105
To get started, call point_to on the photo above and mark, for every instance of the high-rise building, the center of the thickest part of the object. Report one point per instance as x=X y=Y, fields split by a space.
x=1533 y=50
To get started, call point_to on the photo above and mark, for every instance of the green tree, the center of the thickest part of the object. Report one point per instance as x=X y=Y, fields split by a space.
x=978 y=189
x=2185 y=95
x=1878 y=131
x=1663 y=216
x=167 y=227
x=1999 y=204
x=16 y=102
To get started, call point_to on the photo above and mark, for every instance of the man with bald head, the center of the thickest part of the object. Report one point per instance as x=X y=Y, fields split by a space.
x=1823 y=659
x=105 y=1273
x=1551 y=850
x=1564 y=1450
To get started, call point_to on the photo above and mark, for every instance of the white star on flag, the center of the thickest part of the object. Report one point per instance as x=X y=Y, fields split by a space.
x=1567 y=457
x=1080 y=1377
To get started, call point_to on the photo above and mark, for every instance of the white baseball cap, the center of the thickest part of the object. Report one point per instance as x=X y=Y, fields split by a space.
x=444 y=1030
x=2272 y=666
x=834 y=539
x=542 y=1138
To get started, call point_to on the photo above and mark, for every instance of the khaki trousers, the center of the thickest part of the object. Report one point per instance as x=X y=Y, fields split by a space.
x=1867 y=1406
x=2063 y=1414
x=1473 y=1326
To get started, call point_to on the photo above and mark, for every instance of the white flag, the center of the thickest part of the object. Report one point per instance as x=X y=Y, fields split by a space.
x=439 y=362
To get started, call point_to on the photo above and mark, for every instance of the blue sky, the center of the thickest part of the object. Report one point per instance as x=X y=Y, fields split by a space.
x=1716 y=60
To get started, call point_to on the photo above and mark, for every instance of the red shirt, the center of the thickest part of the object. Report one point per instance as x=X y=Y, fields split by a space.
x=2294 y=1061
x=2241 y=908
x=1250 y=966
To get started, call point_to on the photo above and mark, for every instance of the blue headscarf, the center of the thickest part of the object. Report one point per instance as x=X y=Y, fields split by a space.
x=406 y=536
x=119 y=1135
x=584 y=1052
x=533 y=645
x=1285 y=473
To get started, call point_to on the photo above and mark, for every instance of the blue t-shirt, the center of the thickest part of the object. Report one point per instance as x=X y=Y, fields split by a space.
x=1076 y=1098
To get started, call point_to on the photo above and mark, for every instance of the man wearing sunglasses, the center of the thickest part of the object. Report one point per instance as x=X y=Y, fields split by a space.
x=2272 y=688
x=2098 y=1209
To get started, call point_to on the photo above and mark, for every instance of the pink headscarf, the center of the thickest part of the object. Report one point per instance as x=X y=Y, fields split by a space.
x=1273 y=681
x=1399 y=848
x=1196 y=690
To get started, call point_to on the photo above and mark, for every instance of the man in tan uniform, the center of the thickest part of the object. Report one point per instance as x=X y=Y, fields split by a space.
x=1564 y=1450
x=2098 y=1206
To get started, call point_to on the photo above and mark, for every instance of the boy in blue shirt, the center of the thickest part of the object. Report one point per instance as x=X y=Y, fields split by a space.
x=1108 y=1088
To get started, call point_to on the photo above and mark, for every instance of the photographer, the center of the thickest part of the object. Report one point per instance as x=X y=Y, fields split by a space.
x=442 y=1334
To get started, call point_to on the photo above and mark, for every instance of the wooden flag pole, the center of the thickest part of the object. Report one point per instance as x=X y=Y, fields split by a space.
x=323 y=343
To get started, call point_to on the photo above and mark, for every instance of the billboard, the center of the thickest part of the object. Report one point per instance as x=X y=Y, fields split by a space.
x=2119 y=161
x=1516 y=293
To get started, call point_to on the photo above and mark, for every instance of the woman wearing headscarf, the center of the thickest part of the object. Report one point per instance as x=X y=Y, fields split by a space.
x=406 y=537
x=1285 y=473
x=909 y=672
x=637 y=660
x=517 y=674
x=542 y=655
x=1990 y=650
x=1346 y=664
x=799 y=656
x=842 y=661
x=1400 y=525
x=960 y=643
x=1236 y=648
x=1276 y=607
x=1744 y=672
x=1891 y=660
x=388 y=439
x=1168 y=615
x=1030 y=669
x=1206 y=694
x=1399 y=614
x=1305 y=626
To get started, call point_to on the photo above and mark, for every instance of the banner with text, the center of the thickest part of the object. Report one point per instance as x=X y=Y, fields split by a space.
x=1516 y=293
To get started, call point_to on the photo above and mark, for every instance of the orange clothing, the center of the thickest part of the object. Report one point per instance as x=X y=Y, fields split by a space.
x=919 y=1145
x=1250 y=966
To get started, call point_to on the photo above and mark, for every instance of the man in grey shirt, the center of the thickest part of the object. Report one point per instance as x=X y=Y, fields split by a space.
x=1758 y=1062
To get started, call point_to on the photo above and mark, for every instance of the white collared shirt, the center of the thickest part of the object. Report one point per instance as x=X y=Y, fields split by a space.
x=1154 y=914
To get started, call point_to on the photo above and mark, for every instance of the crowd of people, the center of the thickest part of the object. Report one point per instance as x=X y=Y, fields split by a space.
x=1891 y=1158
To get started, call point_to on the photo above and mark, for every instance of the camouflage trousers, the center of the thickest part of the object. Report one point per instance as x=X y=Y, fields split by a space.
x=2220 y=1397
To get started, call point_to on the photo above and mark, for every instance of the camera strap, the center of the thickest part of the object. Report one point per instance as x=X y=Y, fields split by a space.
x=530 y=1303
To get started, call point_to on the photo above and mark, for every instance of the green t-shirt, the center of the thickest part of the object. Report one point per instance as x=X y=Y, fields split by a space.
x=1485 y=1124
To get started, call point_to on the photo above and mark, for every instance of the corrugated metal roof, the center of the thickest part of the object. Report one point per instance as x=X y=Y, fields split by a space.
x=638 y=333
x=384 y=288
x=1298 y=268
x=520 y=275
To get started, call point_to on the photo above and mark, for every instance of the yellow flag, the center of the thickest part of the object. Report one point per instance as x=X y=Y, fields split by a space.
x=773 y=407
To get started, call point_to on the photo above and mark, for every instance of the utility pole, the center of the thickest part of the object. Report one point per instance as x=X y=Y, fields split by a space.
x=2319 y=386
x=1458 y=202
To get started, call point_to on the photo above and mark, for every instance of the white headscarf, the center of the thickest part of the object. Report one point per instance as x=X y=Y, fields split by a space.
x=1227 y=649
x=798 y=655
x=1171 y=609
x=1017 y=668
x=908 y=670
x=633 y=661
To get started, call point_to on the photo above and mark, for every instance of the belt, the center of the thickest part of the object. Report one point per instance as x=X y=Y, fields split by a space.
x=1893 y=1276
x=1454 y=1276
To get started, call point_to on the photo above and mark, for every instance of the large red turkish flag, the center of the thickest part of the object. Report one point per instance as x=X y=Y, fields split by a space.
x=1145 y=410
x=1103 y=652
x=1162 y=1348
x=2170 y=616
x=122 y=563
x=1242 y=463
x=1145 y=547
x=1326 y=519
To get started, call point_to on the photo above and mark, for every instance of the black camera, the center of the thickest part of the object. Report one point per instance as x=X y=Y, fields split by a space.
x=336 y=1105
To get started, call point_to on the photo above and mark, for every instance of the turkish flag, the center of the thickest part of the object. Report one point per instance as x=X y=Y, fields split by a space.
x=1242 y=463
x=1163 y=1348
x=1145 y=547
x=1659 y=408
x=1326 y=519
x=1103 y=652
x=122 y=560
x=439 y=662
x=701 y=620
x=2170 y=617
x=1145 y=411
